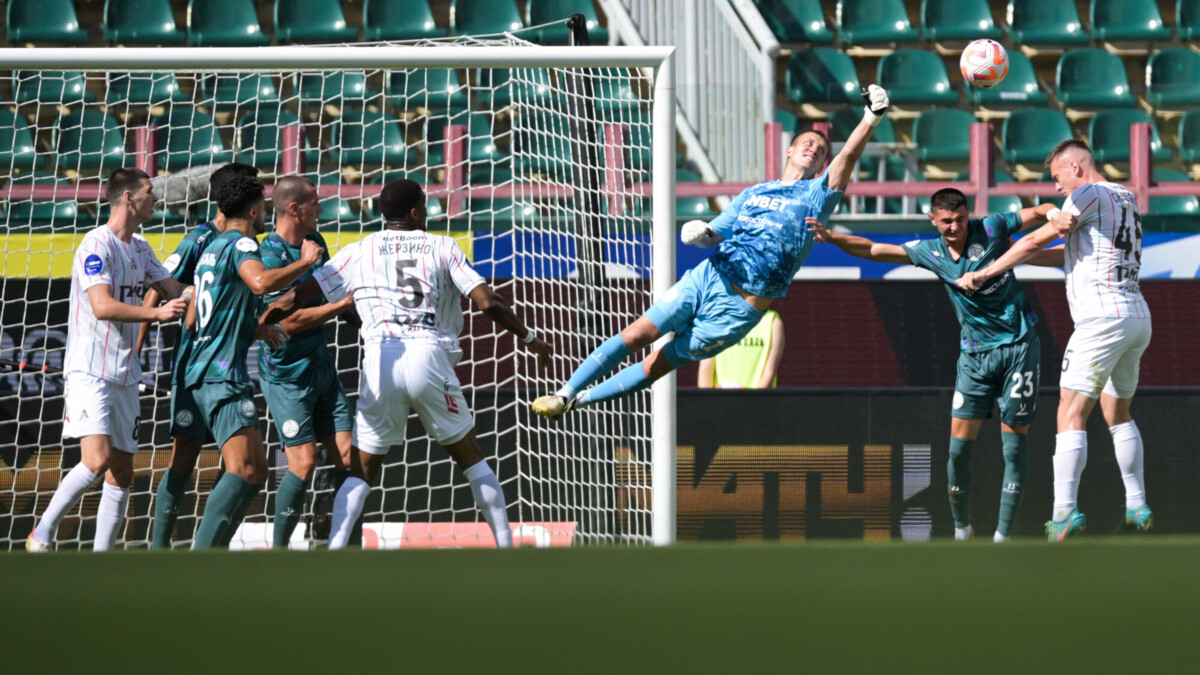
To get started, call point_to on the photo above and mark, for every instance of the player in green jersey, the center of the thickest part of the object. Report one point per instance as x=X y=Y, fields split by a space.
x=299 y=380
x=230 y=277
x=1000 y=352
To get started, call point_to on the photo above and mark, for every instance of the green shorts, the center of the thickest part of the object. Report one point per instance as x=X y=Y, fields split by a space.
x=306 y=413
x=226 y=407
x=1008 y=375
x=186 y=419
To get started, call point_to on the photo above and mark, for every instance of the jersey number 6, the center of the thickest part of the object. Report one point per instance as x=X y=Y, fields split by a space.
x=204 y=301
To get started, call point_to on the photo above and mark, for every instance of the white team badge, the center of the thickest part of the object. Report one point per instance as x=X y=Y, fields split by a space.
x=172 y=262
x=248 y=408
x=975 y=252
x=247 y=245
x=958 y=400
x=290 y=428
x=184 y=418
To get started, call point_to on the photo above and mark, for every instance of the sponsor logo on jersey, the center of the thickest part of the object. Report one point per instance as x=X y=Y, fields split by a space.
x=291 y=428
x=999 y=282
x=765 y=202
x=172 y=262
x=248 y=408
x=247 y=245
x=958 y=400
x=975 y=252
x=184 y=418
x=93 y=265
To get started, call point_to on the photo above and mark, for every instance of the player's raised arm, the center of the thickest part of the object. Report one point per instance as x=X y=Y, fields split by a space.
x=496 y=307
x=841 y=169
x=859 y=247
x=1022 y=250
x=262 y=280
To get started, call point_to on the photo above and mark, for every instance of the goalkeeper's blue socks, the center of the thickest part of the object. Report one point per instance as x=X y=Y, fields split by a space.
x=224 y=499
x=607 y=356
x=166 y=506
x=289 y=505
x=958 y=479
x=1016 y=471
x=631 y=379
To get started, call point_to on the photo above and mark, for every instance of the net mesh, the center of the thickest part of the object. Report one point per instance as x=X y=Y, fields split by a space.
x=539 y=173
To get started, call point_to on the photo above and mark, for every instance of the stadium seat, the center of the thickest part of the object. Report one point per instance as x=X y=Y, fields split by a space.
x=366 y=137
x=335 y=87
x=538 y=12
x=1092 y=78
x=258 y=139
x=822 y=75
x=546 y=149
x=1108 y=135
x=958 y=20
x=614 y=96
x=1189 y=138
x=52 y=87
x=844 y=121
x=796 y=21
x=1173 y=206
x=188 y=137
x=484 y=17
x=996 y=203
x=312 y=21
x=495 y=87
x=46 y=215
x=1173 y=78
x=1019 y=88
x=151 y=89
x=337 y=210
x=399 y=20
x=88 y=139
x=1045 y=22
x=224 y=23
x=228 y=91
x=943 y=134
x=1029 y=134
x=17 y=148
x=913 y=76
x=141 y=22
x=1187 y=19
x=434 y=89
x=1127 y=20
x=44 y=21
x=867 y=22
x=162 y=218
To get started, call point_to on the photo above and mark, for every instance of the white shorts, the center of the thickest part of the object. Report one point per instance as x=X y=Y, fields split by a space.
x=401 y=376
x=1105 y=355
x=98 y=407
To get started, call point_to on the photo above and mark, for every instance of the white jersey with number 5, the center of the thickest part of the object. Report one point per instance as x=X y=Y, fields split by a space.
x=105 y=348
x=407 y=285
x=1104 y=253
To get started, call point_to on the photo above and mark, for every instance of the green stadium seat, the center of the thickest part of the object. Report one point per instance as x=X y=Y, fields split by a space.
x=482 y=141
x=1173 y=206
x=52 y=87
x=915 y=77
x=1029 y=134
x=844 y=121
x=367 y=137
x=996 y=203
x=434 y=89
x=1092 y=78
x=693 y=207
x=338 y=210
x=795 y=21
x=45 y=215
x=1173 y=78
x=538 y=12
x=484 y=17
x=162 y=218
x=1019 y=88
x=821 y=75
x=943 y=134
x=312 y=21
x=17 y=149
x=44 y=21
x=496 y=88
x=1108 y=135
x=258 y=139
x=546 y=148
x=229 y=91
x=141 y=22
x=188 y=137
x=1187 y=19
x=335 y=87
x=1045 y=22
x=614 y=97
x=399 y=20
x=150 y=89
x=958 y=20
x=88 y=139
x=866 y=22
x=224 y=23
x=1189 y=138
x=1127 y=20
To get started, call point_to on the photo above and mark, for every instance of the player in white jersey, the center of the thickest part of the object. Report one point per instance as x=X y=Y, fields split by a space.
x=407 y=286
x=110 y=273
x=1103 y=233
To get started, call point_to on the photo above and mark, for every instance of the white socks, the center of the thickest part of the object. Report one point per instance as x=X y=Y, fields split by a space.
x=70 y=489
x=964 y=533
x=113 y=501
x=347 y=507
x=1127 y=441
x=999 y=538
x=489 y=497
x=1070 y=456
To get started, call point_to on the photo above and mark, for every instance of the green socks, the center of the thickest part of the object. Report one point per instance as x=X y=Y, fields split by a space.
x=958 y=478
x=289 y=505
x=239 y=514
x=166 y=506
x=1016 y=471
x=223 y=501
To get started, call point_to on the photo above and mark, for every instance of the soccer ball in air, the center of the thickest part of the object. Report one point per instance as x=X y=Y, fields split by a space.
x=984 y=63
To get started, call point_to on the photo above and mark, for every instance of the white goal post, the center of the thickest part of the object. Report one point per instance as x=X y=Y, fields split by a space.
x=552 y=227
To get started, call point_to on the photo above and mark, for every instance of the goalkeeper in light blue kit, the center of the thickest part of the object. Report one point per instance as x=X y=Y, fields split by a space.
x=763 y=240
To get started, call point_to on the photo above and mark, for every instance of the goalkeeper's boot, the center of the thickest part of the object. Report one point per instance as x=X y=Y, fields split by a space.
x=34 y=546
x=1137 y=521
x=553 y=405
x=1075 y=524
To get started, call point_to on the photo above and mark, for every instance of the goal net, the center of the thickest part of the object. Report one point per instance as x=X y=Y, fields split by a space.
x=537 y=160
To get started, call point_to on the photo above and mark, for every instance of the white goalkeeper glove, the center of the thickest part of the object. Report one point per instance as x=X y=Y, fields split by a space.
x=877 y=103
x=697 y=233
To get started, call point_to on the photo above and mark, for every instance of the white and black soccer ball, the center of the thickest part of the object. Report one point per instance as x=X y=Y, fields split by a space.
x=984 y=63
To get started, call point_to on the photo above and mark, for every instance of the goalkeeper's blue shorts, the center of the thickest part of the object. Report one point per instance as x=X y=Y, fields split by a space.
x=705 y=313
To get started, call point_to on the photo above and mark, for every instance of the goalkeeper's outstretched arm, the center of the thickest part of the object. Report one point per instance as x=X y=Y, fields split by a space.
x=841 y=169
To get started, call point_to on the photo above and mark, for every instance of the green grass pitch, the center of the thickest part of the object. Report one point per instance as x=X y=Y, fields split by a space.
x=1096 y=605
